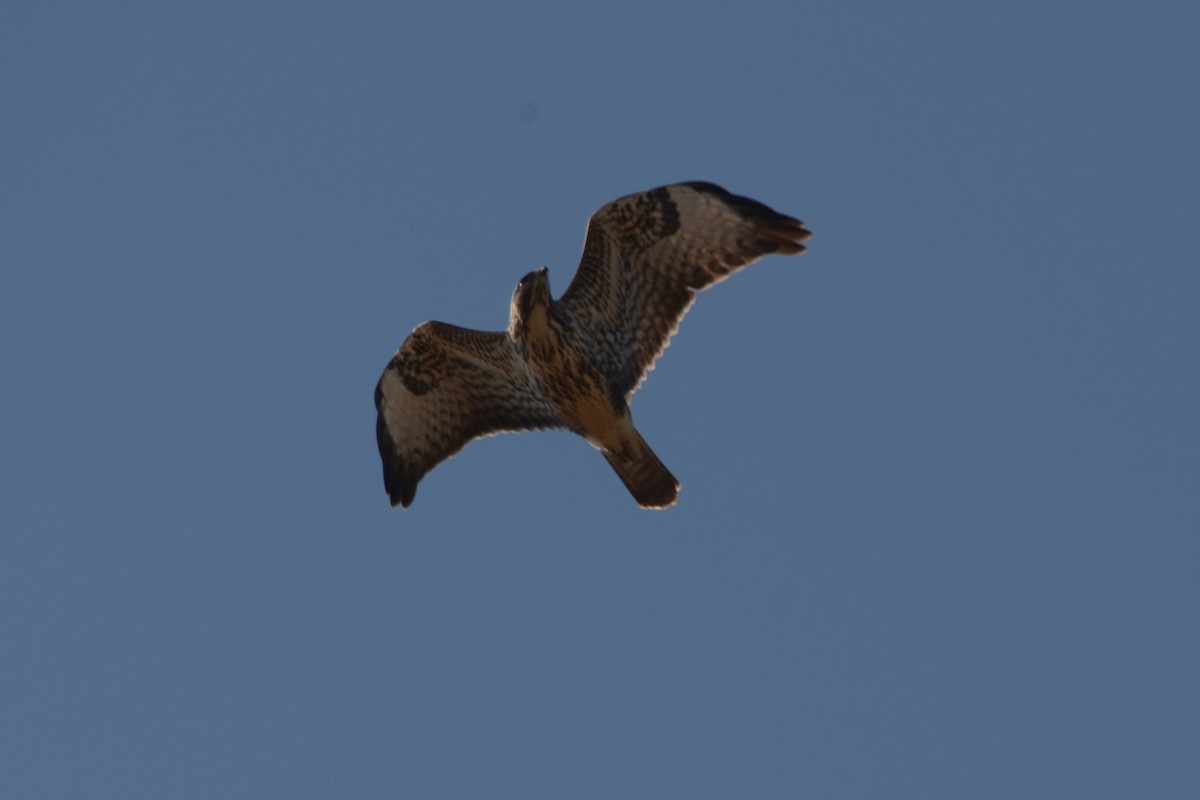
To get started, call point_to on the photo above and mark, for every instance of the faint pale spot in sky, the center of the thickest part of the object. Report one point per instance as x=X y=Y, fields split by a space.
x=529 y=112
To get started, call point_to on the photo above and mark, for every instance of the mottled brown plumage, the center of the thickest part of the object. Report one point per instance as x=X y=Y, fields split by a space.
x=575 y=363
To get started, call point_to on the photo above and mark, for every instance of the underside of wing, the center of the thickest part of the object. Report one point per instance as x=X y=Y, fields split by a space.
x=645 y=257
x=444 y=387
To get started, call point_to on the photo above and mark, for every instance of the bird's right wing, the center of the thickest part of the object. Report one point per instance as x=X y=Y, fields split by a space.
x=646 y=256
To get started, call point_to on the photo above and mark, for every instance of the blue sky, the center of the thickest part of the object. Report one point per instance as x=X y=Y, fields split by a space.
x=937 y=535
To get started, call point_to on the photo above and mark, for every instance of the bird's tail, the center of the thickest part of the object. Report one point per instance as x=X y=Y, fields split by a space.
x=650 y=483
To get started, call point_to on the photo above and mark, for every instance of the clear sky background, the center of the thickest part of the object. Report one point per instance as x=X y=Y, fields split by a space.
x=938 y=531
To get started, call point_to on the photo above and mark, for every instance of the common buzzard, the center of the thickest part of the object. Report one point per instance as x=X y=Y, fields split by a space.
x=575 y=362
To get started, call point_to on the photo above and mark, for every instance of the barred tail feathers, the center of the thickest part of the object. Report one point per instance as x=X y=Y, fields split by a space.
x=647 y=479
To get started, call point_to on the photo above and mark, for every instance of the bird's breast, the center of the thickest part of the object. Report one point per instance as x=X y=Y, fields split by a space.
x=571 y=380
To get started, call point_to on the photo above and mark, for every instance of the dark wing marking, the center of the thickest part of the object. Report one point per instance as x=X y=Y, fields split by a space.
x=444 y=387
x=647 y=254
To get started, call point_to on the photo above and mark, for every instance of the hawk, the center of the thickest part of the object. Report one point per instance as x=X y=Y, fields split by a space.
x=575 y=362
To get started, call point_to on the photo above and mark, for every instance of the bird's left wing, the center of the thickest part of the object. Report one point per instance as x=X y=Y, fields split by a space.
x=444 y=387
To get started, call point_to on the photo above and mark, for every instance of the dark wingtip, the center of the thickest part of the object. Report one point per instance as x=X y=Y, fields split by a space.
x=784 y=234
x=407 y=491
x=400 y=490
x=781 y=234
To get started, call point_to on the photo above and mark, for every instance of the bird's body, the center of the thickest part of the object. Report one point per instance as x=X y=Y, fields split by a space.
x=558 y=351
x=575 y=362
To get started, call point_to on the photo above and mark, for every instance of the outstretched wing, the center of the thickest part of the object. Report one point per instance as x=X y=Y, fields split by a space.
x=444 y=387
x=647 y=254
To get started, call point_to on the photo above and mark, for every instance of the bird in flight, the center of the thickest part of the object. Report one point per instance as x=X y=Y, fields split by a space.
x=575 y=362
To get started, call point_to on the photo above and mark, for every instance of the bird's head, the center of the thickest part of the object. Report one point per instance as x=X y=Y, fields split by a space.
x=530 y=299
